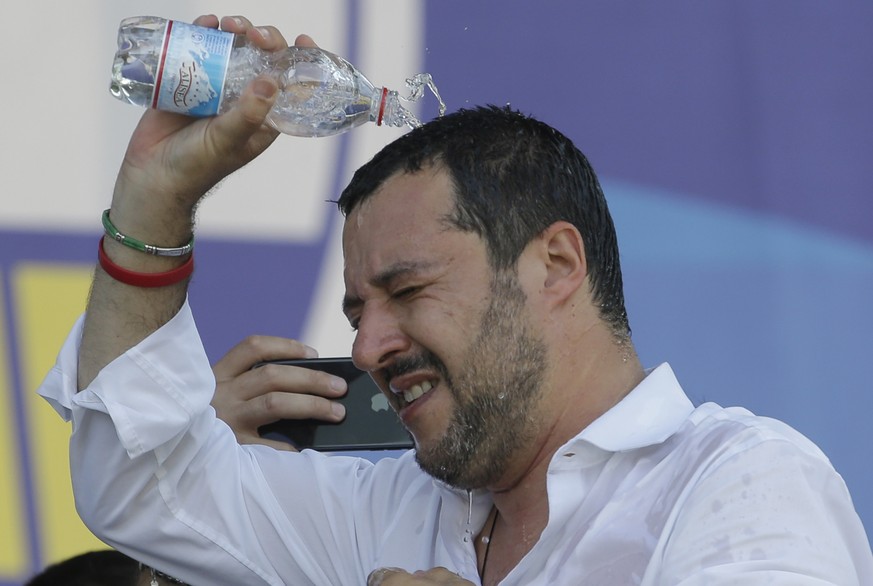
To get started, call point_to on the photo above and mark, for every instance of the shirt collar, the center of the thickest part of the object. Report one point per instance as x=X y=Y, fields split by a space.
x=653 y=411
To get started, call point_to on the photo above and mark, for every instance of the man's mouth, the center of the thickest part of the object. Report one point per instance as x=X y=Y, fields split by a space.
x=414 y=392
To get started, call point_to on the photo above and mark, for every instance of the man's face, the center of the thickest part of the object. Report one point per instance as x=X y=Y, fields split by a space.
x=448 y=341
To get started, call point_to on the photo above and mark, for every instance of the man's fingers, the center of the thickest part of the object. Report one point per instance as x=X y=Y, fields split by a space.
x=268 y=38
x=240 y=134
x=278 y=405
x=207 y=20
x=434 y=576
x=254 y=349
x=304 y=41
x=245 y=415
x=378 y=577
x=236 y=24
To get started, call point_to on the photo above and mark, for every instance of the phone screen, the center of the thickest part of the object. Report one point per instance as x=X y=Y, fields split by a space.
x=370 y=422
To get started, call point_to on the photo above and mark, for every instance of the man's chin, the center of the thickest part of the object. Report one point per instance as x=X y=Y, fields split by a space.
x=434 y=464
x=458 y=472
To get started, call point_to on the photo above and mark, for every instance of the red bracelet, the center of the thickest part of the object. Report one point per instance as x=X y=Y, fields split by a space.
x=127 y=277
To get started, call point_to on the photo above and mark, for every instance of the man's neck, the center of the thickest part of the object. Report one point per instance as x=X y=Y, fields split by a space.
x=588 y=386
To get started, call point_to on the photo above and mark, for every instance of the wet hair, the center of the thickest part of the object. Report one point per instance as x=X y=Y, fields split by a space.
x=513 y=177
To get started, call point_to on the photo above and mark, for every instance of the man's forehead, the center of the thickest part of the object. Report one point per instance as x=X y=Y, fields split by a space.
x=403 y=223
x=406 y=192
x=393 y=256
x=406 y=209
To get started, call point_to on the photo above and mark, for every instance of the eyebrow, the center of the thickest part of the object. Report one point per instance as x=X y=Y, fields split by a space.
x=384 y=279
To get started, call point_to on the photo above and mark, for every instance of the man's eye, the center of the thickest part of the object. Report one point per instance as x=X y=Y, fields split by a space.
x=406 y=292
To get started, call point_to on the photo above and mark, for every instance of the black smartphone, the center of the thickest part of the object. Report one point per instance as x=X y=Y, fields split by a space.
x=370 y=422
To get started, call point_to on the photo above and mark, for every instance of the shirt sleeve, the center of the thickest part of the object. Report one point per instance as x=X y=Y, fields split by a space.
x=156 y=475
x=152 y=392
x=772 y=512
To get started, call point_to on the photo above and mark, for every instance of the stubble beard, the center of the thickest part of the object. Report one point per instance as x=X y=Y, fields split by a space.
x=497 y=392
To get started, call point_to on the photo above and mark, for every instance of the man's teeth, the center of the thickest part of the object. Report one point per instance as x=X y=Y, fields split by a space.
x=415 y=391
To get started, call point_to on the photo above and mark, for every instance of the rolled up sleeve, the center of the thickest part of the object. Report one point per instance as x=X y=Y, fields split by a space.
x=149 y=406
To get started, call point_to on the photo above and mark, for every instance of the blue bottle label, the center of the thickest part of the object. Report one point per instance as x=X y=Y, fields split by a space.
x=192 y=71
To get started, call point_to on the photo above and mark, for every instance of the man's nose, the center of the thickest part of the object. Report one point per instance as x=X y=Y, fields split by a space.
x=378 y=340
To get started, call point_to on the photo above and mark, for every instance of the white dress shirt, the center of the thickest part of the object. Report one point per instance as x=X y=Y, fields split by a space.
x=654 y=492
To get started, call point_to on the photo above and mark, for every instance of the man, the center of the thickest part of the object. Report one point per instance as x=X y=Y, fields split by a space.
x=483 y=280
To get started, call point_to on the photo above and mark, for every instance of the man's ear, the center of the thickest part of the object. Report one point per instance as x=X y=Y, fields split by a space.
x=564 y=255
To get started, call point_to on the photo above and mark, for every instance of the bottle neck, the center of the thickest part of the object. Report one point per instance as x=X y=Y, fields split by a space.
x=387 y=110
x=382 y=104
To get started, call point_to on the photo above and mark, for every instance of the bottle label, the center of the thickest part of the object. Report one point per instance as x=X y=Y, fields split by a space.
x=192 y=71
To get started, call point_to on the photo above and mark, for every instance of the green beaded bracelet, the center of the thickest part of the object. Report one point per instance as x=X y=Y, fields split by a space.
x=113 y=233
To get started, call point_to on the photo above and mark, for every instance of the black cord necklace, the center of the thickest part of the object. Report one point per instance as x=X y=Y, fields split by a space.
x=486 y=539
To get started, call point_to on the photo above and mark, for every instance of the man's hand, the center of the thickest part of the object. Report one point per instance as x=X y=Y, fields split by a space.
x=173 y=160
x=246 y=399
x=184 y=157
x=170 y=164
x=398 y=577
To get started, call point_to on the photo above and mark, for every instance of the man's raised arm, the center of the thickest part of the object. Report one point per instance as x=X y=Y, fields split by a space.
x=171 y=162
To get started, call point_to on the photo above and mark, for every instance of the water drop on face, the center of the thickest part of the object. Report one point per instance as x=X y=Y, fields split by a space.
x=501 y=396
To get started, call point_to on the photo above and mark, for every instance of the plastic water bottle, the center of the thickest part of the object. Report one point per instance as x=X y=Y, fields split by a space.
x=179 y=67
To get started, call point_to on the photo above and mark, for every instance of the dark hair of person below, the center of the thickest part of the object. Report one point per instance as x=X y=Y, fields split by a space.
x=513 y=177
x=98 y=568
x=94 y=568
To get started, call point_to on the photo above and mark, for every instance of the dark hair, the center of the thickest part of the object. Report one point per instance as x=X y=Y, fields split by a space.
x=513 y=177
x=95 y=568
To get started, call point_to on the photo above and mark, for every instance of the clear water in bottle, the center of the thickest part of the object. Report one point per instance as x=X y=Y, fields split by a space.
x=198 y=71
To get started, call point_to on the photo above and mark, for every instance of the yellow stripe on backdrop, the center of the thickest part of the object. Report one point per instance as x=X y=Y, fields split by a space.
x=48 y=298
x=13 y=524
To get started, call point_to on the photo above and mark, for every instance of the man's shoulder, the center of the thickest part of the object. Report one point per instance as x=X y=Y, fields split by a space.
x=726 y=431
